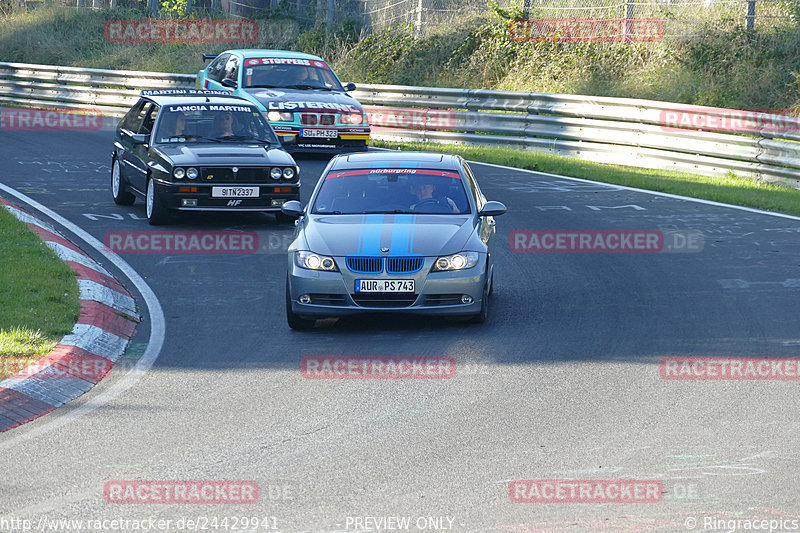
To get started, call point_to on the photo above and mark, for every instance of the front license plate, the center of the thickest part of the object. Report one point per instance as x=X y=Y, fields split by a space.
x=326 y=134
x=384 y=285
x=234 y=192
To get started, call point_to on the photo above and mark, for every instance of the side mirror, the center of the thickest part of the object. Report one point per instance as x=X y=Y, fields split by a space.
x=350 y=87
x=292 y=208
x=139 y=138
x=492 y=209
x=227 y=82
x=209 y=57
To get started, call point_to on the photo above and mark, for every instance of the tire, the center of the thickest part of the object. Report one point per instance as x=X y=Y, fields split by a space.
x=156 y=212
x=295 y=321
x=118 y=192
x=283 y=218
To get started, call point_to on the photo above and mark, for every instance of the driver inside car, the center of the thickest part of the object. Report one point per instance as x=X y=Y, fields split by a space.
x=426 y=202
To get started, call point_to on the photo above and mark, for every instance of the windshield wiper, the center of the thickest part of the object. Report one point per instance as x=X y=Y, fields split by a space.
x=264 y=87
x=389 y=212
x=307 y=86
x=242 y=138
x=208 y=139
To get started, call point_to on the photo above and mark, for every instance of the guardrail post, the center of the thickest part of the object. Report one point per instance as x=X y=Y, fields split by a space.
x=628 y=19
x=751 y=16
x=419 y=19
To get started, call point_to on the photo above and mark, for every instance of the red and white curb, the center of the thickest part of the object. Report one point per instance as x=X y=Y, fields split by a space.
x=107 y=322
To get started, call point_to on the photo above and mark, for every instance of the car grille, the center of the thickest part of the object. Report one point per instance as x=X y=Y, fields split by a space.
x=442 y=299
x=385 y=299
x=364 y=265
x=403 y=265
x=328 y=299
x=318 y=119
x=245 y=175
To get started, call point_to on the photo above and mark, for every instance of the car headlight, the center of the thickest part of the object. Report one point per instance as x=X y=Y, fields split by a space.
x=313 y=261
x=179 y=173
x=280 y=116
x=191 y=173
x=288 y=173
x=352 y=118
x=458 y=261
x=276 y=173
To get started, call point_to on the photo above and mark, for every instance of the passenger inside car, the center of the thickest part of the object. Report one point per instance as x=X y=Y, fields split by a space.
x=223 y=125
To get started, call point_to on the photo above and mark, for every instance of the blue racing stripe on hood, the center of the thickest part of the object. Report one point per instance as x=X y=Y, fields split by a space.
x=370 y=234
x=401 y=234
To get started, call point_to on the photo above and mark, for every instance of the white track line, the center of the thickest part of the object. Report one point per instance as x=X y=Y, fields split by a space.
x=645 y=191
x=157 y=333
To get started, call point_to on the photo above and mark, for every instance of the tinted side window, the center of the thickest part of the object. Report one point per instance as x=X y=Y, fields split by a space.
x=133 y=118
x=231 y=68
x=149 y=113
x=473 y=186
x=215 y=70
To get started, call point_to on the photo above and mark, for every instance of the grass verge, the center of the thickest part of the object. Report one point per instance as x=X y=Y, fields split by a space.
x=729 y=189
x=38 y=296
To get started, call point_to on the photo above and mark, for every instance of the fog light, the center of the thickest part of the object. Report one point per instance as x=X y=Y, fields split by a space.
x=277 y=203
x=466 y=299
x=189 y=202
x=304 y=299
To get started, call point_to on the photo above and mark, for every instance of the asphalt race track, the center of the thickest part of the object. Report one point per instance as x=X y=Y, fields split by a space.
x=562 y=382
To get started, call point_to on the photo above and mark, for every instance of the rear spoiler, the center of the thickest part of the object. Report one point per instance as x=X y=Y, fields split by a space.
x=209 y=57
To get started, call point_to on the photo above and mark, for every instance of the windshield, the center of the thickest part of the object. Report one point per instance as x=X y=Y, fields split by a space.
x=289 y=74
x=213 y=123
x=392 y=191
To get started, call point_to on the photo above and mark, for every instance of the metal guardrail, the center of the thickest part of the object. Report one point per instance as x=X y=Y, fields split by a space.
x=608 y=130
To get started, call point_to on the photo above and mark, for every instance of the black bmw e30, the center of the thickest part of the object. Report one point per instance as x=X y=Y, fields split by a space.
x=195 y=150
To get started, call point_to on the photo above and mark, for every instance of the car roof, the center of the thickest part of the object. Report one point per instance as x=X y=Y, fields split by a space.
x=398 y=159
x=194 y=99
x=284 y=54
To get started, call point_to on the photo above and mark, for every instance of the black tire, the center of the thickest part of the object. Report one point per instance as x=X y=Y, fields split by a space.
x=283 y=218
x=118 y=183
x=157 y=214
x=295 y=321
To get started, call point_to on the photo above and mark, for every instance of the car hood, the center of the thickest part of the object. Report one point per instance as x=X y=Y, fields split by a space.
x=225 y=153
x=306 y=100
x=427 y=235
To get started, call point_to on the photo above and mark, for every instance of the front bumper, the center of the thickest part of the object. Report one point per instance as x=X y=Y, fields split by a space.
x=436 y=293
x=346 y=141
x=173 y=196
